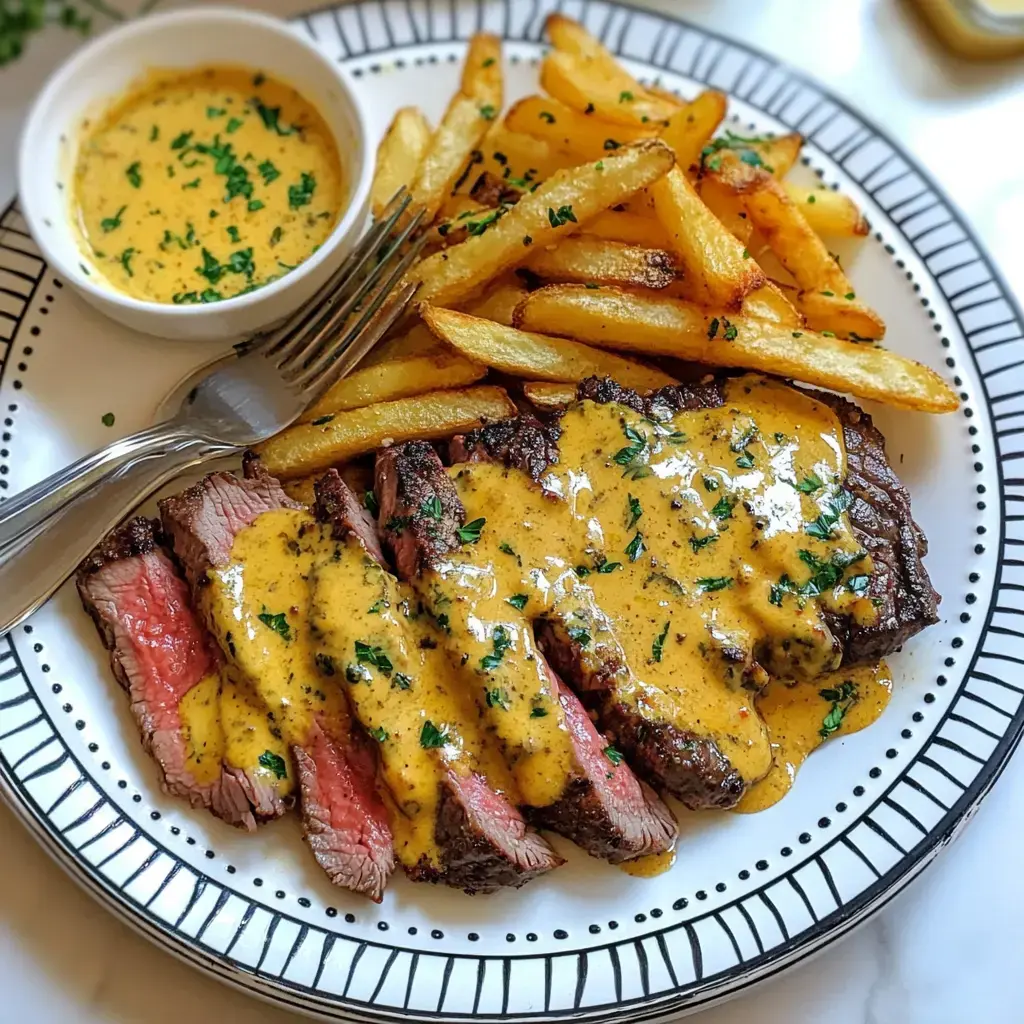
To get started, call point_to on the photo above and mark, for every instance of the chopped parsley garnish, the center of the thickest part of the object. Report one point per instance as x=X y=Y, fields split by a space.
x=126 y=261
x=380 y=734
x=302 y=194
x=599 y=166
x=744 y=439
x=194 y=183
x=582 y=571
x=470 y=533
x=607 y=567
x=321 y=420
x=635 y=548
x=562 y=216
x=181 y=141
x=658 y=647
x=431 y=737
x=843 y=697
x=745 y=461
x=709 y=584
x=506 y=549
x=233 y=125
x=699 y=543
x=275 y=236
x=277 y=622
x=113 y=223
x=635 y=511
x=133 y=175
x=625 y=96
x=401 y=681
x=211 y=269
x=809 y=484
x=500 y=643
x=579 y=635
x=274 y=763
x=722 y=508
x=858 y=584
x=822 y=527
x=730 y=331
x=212 y=112
x=254 y=205
x=478 y=227
x=538 y=712
x=544 y=115
x=374 y=656
x=630 y=456
x=487 y=63
x=268 y=172
x=518 y=601
x=431 y=508
x=107 y=419
x=710 y=483
x=370 y=503
x=488 y=112
x=498 y=698
x=271 y=118
x=154 y=133
x=713 y=327
x=613 y=755
x=233 y=234
x=824 y=577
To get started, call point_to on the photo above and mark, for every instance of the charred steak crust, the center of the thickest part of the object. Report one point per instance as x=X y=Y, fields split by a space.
x=689 y=766
x=406 y=480
x=523 y=442
x=135 y=537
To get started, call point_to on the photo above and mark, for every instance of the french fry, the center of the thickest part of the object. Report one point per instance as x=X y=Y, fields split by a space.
x=715 y=262
x=416 y=341
x=549 y=396
x=827 y=298
x=692 y=125
x=515 y=156
x=586 y=260
x=469 y=115
x=500 y=302
x=301 y=489
x=827 y=211
x=769 y=302
x=778 y=155
x=629 y=228
x=572 y=38
x=399 y=155
x=585 y=135
x=396 y=378
x=724 y=204
x=588 y=83
x=562 y=203
x=661 y=326
x=306 y=449
x=535 y=356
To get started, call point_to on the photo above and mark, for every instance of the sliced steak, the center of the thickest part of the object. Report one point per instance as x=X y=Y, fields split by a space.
x=345 y=818
x=524 y=442
x=406 y=480
x=203 y=520
x=483 y=843
x=616 y=819
x=159 y=651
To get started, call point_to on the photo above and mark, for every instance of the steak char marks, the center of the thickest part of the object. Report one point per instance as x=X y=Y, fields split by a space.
x=344 y=820
x=683 y=762
x=610 y=815
x=159 y=651
x=483 y=844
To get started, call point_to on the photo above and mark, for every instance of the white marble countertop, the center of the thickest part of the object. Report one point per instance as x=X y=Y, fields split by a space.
x=948 y=950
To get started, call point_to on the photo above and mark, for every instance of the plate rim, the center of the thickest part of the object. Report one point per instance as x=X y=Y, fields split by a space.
x=831 y=927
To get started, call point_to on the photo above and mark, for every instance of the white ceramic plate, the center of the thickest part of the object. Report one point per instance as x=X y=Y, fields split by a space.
x=749 y=895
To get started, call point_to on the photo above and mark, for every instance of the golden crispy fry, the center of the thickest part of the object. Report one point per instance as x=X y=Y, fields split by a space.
x=534 y=355
x=499 y=304
x=629 y=228
x=517 y=157
x=652 y=324
x=306 y=449
x=778 y=155
x=587 y=83
x=300 y=489
x=416 y=341
x=689 y=128
x=565 y=201
x=399 y=155
x=585 y=260
x=467 y=218
x=724 y=204
x=397 y=378
x=827 y=211
x=572 y=38
x=769 y=302
x=714 y=262
x=586 y=135
x=469 y=115
x=826 y=298
x=549 y=396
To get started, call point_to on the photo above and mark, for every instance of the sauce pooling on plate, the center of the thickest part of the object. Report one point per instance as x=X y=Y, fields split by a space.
x=202 y=185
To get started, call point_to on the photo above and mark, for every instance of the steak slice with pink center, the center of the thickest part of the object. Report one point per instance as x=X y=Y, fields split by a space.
x=159 y=651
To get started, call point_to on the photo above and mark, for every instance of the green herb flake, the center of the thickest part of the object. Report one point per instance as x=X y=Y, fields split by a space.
x=154 y=133
x=713 y=328
x=518 y=601
x=843 y=697
x=107 y=419
x=722 y=508
x=133 y=175
x=635 y=548
x=822 y=527
x=302 y=194
x=400 y=681
x=809 y=484
x=277 y=622
x=607 y=567
x=321 y=420
x=488 y=112
x=699 y=543
x=745 y=461
x=112 y=223
x=233 y=234
x=194 y=183
x=730 y=332
x=254 y=205
x=500 y=643
x=626 y=96
x=709 y=584
x=270 y=116
x=274 y=763
x=545 y=115
x=635 y=511
x=125 y=260
x=233 y=125
x=579 y=635
x=613 y=755
x=498 y=698
x=373 y=655
x=562 y=216
x=431 y=737
x=658 y=647
x=538 y=712
x=470 y=533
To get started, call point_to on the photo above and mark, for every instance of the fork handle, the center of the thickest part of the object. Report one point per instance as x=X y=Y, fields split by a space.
x=25 y=513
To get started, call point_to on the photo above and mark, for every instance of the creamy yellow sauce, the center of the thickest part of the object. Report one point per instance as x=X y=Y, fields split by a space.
x=801 y=716
x=202 y=730
x=197 y=186
x=700 y=524
x=651 y=866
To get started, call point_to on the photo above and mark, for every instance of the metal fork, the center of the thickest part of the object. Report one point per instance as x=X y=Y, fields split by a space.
x=277 y=376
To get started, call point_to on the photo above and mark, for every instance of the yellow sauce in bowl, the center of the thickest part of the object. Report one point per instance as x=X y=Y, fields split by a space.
x=201 y=185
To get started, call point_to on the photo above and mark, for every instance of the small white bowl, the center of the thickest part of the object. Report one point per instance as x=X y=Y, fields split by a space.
x=104 y=70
